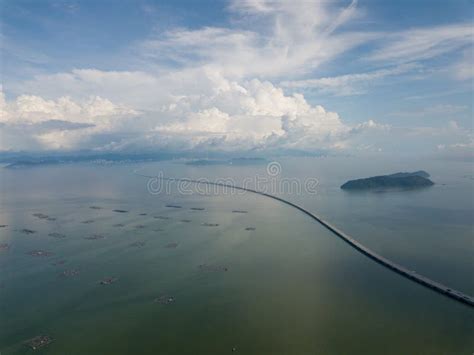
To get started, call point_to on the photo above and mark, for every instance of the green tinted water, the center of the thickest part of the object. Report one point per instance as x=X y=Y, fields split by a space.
x=290 y=287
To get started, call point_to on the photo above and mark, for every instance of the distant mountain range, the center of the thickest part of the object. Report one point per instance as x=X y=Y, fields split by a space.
x=26 y=161
x=233 y=161
x=403 y=180
x=17 y=161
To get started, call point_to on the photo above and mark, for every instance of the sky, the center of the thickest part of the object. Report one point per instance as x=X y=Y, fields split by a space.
x=341 y=77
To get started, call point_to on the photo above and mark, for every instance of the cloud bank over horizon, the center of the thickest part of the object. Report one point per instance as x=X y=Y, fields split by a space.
x=244 y=86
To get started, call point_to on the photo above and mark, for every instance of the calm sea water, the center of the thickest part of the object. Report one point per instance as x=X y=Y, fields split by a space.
x=287 y=287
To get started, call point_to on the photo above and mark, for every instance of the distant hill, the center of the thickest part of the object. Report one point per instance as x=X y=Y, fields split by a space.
x=28 y=164
x=17 y=161
x=202 y=162
x=398 y=180
x=233 y=161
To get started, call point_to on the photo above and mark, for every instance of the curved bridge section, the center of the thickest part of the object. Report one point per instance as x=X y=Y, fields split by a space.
x=410 y=274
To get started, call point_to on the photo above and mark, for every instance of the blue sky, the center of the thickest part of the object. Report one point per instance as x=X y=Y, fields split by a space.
x=365 y=77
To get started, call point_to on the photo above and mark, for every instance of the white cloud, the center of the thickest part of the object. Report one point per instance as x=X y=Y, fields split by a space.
x=465 y=145
x=349 y=84
x=419 y=44
x=434 y=110
x=464 y=68
x=252 y=114
x=34 y=109
x=57 y=124
x=118 y=86
x=370 y=125
x=463 y=148
x=296 y=38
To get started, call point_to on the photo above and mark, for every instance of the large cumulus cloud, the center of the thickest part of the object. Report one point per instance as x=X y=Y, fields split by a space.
x=252 y=114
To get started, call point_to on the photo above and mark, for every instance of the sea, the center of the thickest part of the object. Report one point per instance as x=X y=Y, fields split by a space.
x=113 y=259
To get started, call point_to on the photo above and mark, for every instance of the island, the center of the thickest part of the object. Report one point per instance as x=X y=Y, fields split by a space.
x=403 y=180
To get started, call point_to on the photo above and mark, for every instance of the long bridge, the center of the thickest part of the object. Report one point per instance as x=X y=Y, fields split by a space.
x=399 y=269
